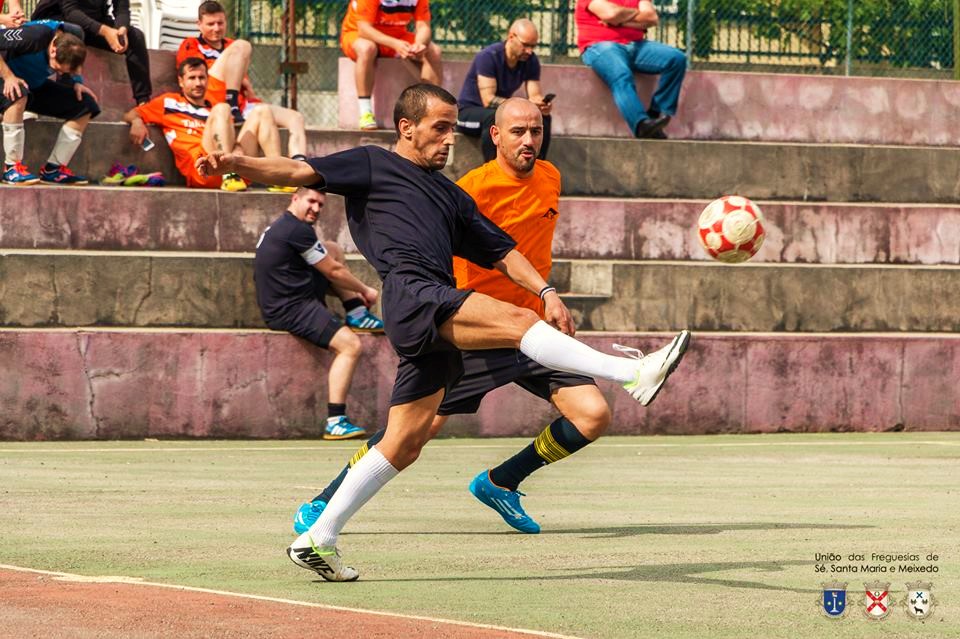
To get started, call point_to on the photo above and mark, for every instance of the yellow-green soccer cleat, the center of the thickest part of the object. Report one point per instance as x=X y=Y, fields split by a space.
x=232 y=183
x=654 y=369
x=325 y=561
x=368 y=122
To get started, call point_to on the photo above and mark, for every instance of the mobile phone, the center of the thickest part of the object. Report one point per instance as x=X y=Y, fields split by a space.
x=147 y=144
x=548 y=98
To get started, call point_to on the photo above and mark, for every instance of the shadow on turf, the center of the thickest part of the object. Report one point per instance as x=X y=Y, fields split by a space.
x=614 y=532
x=660 y=573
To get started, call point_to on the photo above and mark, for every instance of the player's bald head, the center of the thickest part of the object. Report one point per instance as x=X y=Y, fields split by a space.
x=524 y=29
x=516 y=109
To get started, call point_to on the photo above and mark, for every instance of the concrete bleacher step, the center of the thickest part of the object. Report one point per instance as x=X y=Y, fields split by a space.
x=612 y=167
x=106 y=74
x=718 y=105
x=588 y=228
x=211 y=290
x=119 y=384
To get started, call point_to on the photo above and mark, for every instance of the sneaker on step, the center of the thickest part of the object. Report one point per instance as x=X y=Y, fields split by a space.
x=18 y=174
x=118 y=174
x=654 y=369
x=505 y=502
x=368 y=122
x=62 y=175
x=276 y=188
x=233 y=183
x=307 y=515
x=366 y=323
x=325 y=560
x=342 y=429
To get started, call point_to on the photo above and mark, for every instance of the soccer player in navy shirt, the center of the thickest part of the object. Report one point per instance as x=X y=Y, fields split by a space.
x=293 y=271
x=495 y=74
x=409 y=221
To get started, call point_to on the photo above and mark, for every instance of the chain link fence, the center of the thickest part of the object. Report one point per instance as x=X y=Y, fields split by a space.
x=911 y=38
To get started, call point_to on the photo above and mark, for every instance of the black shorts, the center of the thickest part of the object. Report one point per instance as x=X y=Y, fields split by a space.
x=310 y=320
x=57 y=100
x=414 y=307
x=483 y=371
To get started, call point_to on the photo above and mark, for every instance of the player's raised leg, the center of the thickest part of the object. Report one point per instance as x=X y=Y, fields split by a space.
x=483 y=322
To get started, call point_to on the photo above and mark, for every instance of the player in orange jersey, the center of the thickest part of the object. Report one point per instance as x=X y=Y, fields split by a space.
x=192 y=127
x=228 y=61
x=379 y=28
x=521 y=194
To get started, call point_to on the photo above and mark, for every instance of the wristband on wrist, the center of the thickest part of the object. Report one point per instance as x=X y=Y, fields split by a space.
x=545 y=290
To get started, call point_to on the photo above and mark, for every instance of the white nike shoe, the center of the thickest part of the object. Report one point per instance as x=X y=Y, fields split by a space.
x=654 y=369
x=325 y=561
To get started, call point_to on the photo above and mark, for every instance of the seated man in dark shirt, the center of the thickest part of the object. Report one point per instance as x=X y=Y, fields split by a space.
x=494 y=75
x=293 y=270
x=102 y=31
x=40 y=75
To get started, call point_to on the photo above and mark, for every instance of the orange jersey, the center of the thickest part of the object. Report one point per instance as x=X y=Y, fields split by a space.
x=390 y=16
x=526 y=209
x=182 y=125
x=197 y=47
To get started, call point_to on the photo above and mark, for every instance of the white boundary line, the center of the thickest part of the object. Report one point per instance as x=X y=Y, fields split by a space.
x=30 y=447
x=65 y=576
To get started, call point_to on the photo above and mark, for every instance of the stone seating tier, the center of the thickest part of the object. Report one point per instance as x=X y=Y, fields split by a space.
x=132 y=384
x=618 y=167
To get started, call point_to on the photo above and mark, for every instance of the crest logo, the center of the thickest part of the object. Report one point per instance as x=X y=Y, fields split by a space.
x=877 y=602
x=919 y=601
x=833 y=600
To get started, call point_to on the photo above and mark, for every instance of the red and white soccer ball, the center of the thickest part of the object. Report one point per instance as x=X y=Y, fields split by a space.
x=731 y=229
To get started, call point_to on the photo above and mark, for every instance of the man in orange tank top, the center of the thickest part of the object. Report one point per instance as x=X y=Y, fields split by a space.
x=521 y=194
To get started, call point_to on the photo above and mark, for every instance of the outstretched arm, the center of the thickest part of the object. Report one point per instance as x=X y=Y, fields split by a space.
x=519 y=269
x=279 y=171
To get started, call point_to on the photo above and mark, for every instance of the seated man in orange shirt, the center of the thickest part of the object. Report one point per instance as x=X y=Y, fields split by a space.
x=194 y=128
x=521 y=195
x=379 y=28
x=228 y=61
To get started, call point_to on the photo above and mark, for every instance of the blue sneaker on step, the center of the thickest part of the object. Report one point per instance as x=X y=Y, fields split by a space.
x=307 y=515
x=505 y=502
x=366 y=323
x=342 y=429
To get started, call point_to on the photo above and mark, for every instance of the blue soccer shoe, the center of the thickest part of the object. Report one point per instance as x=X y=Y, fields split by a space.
x=307 y=515
x=366 y=323
x=505 y=502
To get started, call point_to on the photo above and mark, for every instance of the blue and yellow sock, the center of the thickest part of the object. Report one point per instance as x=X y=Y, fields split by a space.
x=558 y=440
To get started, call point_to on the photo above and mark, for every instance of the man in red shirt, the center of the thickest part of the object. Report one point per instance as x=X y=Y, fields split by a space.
x=379 y=28
x=612 y=38
x=227 y=63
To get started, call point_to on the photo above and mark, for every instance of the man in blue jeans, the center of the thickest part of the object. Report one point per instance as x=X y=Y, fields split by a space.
x=611 y=35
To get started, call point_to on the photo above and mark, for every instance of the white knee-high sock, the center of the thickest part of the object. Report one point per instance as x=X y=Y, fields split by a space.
x=66 y=145
x=367 y=476
x=547 y=346
x=13 y=137
x=365 y=104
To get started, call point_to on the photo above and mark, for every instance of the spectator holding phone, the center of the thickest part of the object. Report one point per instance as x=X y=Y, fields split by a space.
x=108 y=32
x=495 y=75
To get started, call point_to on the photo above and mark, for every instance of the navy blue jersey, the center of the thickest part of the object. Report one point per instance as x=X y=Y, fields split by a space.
x=283 y=267
x=405 y=218
x=491 y=62
x=25 y=49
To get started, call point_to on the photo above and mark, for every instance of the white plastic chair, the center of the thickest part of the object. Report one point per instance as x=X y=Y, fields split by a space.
x=165 y=23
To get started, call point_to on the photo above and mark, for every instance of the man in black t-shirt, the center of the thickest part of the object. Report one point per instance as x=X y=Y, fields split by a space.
x=495 y=75
x=293 y=271
x=409 y=221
